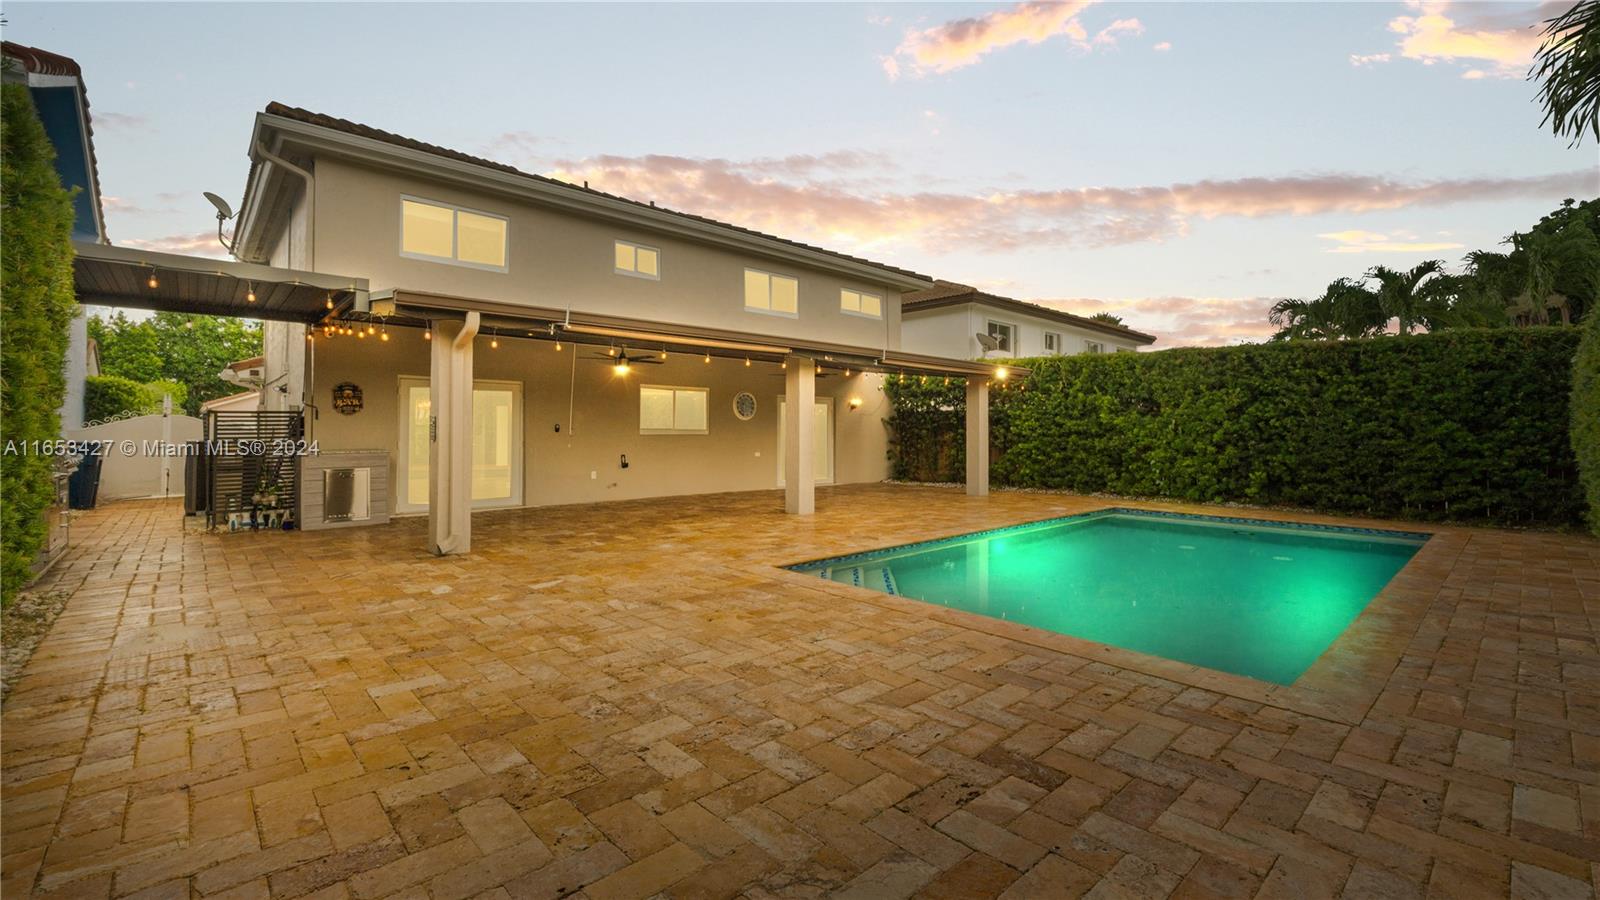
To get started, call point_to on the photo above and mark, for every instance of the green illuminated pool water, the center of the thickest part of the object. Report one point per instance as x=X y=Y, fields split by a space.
x=1241 y=596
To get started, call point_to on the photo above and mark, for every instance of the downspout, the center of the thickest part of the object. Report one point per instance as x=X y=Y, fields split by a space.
x=309 y=386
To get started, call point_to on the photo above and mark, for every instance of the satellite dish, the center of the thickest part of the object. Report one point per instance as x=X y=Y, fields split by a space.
x=988 y=342
x=224 y=211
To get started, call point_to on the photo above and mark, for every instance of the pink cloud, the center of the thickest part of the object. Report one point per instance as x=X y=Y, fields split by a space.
x=1163 y=46
x=783 y=197
x=1107 y=36
x=1495 y=47
x=963 y=42
x=203 y=243
x=1183 y=321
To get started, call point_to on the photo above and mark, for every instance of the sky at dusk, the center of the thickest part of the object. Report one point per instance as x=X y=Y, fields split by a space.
x=1181 y=165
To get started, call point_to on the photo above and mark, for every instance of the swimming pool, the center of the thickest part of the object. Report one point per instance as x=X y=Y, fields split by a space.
x=1254 y=598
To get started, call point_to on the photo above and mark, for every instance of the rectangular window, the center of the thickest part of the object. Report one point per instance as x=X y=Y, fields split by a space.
x=1052 y=342
x=1003 y=334
x=638 y=260
x=438 y=231
x=1093 y=347
x=766 y=292
x=672 y=410
x=862 y=304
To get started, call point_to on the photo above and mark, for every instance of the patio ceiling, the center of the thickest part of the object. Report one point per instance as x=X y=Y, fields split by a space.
x=543 y=323
x=104 y=275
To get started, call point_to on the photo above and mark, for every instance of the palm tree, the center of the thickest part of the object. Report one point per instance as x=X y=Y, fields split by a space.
x=1406 y=296
x=1345 y=310
x=1107 y=318
x=1568 y=64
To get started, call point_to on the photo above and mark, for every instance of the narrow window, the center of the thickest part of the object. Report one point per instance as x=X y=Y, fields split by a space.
x=672 y=410
x=1002 y=333
x=766 y=292
x=861 y=303
x=444 y=233
x=638 y=260
x=1052 y=342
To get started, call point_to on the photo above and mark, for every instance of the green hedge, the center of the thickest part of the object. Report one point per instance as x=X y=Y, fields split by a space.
x=36 y=308
x=108 y=396
x=1586 y=414
x=1461 y=425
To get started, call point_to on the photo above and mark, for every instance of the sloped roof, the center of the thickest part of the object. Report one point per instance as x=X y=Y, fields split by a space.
x=43 y=62
x=357 y=129
x=254 y=362
x=950 y=293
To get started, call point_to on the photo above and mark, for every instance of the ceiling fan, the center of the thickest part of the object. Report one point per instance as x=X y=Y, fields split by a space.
x=621 y=361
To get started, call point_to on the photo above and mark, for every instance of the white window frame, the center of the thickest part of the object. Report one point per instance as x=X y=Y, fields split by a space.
x=398 y=487
x=635 y=273
x=1054 y=336
x=769 y=311
x=860 y=295
x=1011 y=338
x=455 y=235
x=676 y=389
x=1095 y=347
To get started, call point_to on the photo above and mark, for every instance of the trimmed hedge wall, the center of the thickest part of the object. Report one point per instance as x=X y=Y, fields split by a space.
x=105 y=396
x=1462 y=425
x=36 y=307
x=1586 y=414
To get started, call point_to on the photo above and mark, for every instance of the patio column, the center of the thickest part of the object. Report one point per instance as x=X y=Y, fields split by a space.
x=799 y=466
x=977 y=436
x=450 y=437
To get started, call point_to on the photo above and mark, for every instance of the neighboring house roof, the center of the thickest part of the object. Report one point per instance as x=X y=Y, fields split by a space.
x=366 y=131
x=52 y=67
x=254 y=362
x=241 y=399
x=949 y=293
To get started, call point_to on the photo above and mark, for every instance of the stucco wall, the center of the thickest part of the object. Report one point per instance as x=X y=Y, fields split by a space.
x=559 y=258
x=950 y=331
x=733 y=456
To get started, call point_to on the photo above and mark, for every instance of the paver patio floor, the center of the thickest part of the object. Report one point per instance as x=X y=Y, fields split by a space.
x=629 y=700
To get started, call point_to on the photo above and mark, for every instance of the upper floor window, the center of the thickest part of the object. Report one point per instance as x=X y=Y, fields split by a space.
x=766 y=292
x=1052 y=342
x=860 y=303
x=1093 y=347
x=672 y=410
x=1004 y=335
x=638 y=260
x=439 y=231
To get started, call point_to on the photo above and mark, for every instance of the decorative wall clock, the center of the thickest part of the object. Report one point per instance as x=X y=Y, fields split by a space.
x=744 y=406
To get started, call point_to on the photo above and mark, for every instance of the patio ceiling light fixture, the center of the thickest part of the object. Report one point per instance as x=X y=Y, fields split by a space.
x=1001 y=373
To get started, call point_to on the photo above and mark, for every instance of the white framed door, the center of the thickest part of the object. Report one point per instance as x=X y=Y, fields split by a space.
x=496 y=445
x=821 y=436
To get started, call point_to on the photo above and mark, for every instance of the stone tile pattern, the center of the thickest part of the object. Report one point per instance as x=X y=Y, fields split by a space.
x=628 y=701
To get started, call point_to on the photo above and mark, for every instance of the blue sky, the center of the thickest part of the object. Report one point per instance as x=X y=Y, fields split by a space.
x=1180 y=164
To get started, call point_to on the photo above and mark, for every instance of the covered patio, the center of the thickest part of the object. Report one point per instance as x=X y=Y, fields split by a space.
x=631 y=699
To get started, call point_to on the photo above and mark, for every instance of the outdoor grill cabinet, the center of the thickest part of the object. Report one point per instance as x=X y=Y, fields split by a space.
x=344 y=489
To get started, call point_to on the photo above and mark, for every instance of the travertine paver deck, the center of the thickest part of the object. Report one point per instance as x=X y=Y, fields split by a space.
x=629 y=700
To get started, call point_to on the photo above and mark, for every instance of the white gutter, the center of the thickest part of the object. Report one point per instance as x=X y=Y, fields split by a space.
x=310 y=261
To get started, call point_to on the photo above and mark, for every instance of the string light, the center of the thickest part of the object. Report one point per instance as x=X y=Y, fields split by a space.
x=384 y=334
x=558 y=346
x=153 y=282
x=611 y=351
x=427 y=331
x=494 y=340
x=784 y=364
x=371 y=328
x=361 y=334
x=708 y=356
x=663 y=353
x=329 y=303
x=747 y=362
x=250 y=297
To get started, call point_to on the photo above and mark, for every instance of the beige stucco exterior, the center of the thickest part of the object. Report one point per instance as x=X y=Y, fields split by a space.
x=733 y=456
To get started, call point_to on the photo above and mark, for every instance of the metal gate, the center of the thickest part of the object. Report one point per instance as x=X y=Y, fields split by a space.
x=252 y=472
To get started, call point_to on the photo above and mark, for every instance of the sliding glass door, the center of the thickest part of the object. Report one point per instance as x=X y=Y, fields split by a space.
x=496 y=444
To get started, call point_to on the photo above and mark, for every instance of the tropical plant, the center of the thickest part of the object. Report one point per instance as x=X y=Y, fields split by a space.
x=1346 y=309
x=1405 y=297
x=1568 y=65
x=1586 y=416
x=36 y=308
x=1107 y=318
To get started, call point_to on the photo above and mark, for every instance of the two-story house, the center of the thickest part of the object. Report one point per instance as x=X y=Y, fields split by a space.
x=525 y=341
x=956 y=320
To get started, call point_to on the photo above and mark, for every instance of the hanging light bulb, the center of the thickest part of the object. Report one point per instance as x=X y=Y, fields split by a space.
x=329 y=303
x=611 y=351
x=371 y=328
x=494 y=342
x=747 y=362
x=250 y=297
x=784 y=364
x=847 y=373
x=663 y=353
x=427 y=330
x=384 y=334
x=153 y=282
x=558 y=346
x=361 y=334
x=708 y=356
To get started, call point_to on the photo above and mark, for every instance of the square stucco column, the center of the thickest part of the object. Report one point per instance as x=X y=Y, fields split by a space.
x=799 y=464
x=450 y=437
x=977 y=436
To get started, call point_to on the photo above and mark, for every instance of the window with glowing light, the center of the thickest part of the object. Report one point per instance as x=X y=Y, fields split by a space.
x=664 y=409
x=769 y=293
x=638 y=260
x=443 y=233
x=861 y=303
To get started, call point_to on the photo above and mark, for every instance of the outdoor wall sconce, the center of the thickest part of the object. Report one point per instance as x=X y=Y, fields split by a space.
x=855 y=403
